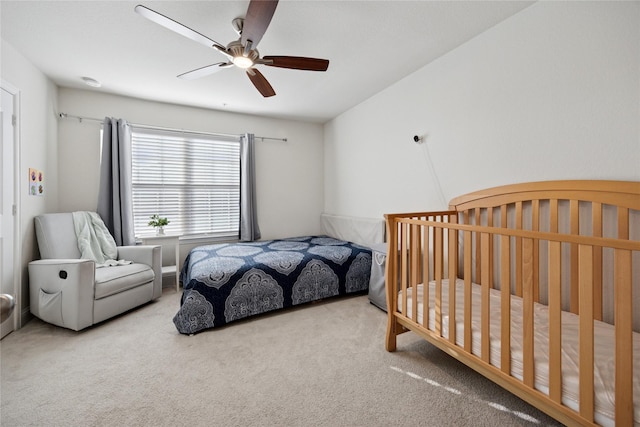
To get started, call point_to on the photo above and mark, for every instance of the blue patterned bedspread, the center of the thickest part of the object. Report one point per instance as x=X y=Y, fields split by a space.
x=228 y=282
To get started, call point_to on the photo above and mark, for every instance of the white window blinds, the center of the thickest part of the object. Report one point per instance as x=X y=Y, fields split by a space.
x=192 y=179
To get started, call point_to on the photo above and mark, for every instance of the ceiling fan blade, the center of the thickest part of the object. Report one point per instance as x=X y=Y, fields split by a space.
x=258 y=17
x=177 y=27
x=205 y=71
x=260 y=82
x=297 y=62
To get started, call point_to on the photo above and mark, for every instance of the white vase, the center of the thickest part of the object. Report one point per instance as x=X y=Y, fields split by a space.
x=160 y=231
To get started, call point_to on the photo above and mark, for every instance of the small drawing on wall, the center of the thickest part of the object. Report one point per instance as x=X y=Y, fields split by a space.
x=36 y=182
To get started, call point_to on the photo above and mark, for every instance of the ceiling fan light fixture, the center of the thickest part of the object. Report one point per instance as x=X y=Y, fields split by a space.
x=242 y=61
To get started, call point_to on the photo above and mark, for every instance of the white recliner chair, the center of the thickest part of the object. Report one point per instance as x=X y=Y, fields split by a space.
x=71 y=292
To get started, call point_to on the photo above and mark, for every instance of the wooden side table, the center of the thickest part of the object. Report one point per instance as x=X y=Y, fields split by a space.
x=170 y=265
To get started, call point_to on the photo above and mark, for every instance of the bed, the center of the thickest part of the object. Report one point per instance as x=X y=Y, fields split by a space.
x=536 y=286
x=227 y=282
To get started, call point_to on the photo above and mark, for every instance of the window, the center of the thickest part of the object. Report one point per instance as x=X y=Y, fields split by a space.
x=192 y=179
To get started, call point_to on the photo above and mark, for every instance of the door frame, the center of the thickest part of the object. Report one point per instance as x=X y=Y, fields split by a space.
x=17 y=223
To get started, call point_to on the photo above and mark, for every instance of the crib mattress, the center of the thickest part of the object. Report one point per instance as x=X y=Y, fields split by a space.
x=603 y=346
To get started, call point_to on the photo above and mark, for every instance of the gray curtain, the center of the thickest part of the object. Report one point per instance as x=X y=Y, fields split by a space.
x=115 y=205
x=249 y=229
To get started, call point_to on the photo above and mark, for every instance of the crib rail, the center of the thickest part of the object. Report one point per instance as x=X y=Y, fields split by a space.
x=538 y=266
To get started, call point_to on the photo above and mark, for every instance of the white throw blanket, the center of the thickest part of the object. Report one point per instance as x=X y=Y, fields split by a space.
x=94 y=240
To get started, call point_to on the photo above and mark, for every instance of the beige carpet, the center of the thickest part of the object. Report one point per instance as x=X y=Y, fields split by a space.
x=323 y=364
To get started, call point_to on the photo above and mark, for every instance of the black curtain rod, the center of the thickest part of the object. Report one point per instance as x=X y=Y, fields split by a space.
x=227 y=135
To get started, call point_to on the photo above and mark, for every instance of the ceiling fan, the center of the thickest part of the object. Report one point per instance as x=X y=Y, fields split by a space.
x=241 y=53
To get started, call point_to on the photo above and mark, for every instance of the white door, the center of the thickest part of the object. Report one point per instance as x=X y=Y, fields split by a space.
x=7 y=207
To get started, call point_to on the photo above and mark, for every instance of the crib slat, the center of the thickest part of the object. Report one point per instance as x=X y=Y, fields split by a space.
x=485 y=348
x=623 y=223
x=490 y=253
x=467 y=291
x=623 y=334
x=596 y=223
x=575 y=230
x=438 y=278
x=585 y=279
x=425 y=276
x=505 y=304
x=518 y=264
x=553 y=215
x=403 y=265
x=478 y=249
x=555 y=322
x=535 y=226
x=414 y=269
x=453 y=250
x=527 y=312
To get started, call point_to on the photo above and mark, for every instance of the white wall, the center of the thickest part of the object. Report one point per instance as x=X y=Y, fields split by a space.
x=38 y=147
x=289 y=174
x=551 y=93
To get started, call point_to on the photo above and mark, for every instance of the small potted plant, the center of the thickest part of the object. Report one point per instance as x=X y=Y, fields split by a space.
x=158 y=223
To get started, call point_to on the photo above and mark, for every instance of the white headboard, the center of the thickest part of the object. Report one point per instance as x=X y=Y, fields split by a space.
x=363 y=231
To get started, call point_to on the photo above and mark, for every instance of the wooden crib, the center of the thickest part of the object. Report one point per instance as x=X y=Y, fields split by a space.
x=536 y=286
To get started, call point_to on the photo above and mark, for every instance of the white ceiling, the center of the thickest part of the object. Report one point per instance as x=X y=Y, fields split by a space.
x=371 y=45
